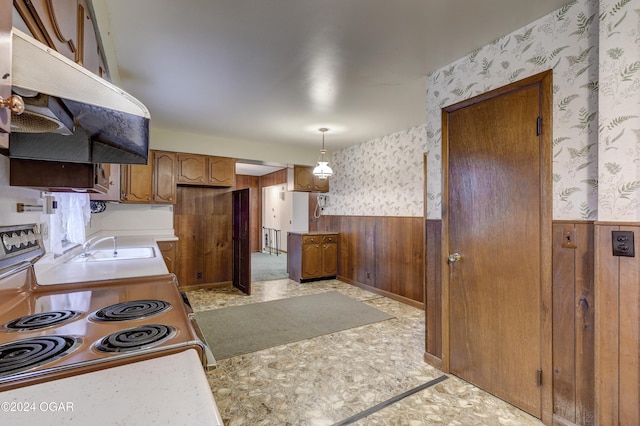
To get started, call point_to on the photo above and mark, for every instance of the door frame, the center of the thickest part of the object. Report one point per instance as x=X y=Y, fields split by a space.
x=545 y=81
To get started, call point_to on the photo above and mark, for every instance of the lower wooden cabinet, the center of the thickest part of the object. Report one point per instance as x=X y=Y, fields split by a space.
x=168 y=251
x=312 y=255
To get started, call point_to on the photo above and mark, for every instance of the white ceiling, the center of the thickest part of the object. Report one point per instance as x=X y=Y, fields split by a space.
x=277 y=70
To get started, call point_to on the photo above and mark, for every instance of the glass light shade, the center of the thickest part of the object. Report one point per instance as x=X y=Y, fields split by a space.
x=322 y=170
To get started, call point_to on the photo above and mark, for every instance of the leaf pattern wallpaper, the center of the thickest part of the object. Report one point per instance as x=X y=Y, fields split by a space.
x=619 y=111
x=359 y=189
x=593 y=48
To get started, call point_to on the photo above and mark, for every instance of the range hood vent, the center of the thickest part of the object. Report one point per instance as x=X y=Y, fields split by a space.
x=70 y=113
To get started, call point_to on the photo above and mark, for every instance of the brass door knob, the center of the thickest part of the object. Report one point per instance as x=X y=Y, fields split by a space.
x=454 y=257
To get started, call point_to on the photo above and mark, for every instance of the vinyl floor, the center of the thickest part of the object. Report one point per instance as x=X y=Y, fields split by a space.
x=329 y=379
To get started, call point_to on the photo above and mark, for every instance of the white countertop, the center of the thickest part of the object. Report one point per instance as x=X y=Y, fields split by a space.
x=50 y=270
x=171 y=390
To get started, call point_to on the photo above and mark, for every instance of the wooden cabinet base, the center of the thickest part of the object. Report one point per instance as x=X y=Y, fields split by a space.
x=312 y=256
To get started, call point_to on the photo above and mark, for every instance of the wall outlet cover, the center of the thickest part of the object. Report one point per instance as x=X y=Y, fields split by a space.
x=622 y=242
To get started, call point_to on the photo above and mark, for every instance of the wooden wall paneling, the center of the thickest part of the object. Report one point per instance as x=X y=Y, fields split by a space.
x=585 y=324
x=564 y=380
x=433 y=289
x=274 y=178
x=364 y=262
x=398 y=258
x=607 y=331
x=629 y=334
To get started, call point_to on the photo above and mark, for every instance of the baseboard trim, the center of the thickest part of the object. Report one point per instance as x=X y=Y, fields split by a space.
x=433 y=360
x=398 y=298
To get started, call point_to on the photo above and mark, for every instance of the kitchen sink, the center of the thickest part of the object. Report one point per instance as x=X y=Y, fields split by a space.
x=127 y=253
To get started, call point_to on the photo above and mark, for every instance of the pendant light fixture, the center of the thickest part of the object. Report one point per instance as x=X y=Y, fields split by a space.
x=322 y=169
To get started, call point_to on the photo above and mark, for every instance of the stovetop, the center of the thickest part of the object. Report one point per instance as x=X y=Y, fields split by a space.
x=49 y=332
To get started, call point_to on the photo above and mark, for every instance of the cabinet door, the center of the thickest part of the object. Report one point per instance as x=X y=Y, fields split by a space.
x=192 y=169
x=329 y=259
x=320 y=185
x=302 y=178
x=113 y=184
x=311 y=261
x=137 y=183
x=222 y=171
x=54 y=23
x=89 y=54
x=168 y=251
x=164 y=177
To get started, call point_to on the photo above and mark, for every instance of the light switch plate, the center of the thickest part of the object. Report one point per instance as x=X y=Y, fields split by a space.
x=569 y=237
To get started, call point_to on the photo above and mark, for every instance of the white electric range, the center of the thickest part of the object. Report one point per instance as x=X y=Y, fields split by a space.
x=66 y=349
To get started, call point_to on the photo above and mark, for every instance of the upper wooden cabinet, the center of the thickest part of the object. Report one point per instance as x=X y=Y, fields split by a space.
x=150 y=183
x=301 y=178
x=136 y=183
x=222 y=171
x=66 y=26
x=164 y=177
x=195 y=169
x=112 y=173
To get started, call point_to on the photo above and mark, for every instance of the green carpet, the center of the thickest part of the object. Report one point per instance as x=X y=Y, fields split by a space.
x=248 y=328
x=266 y=267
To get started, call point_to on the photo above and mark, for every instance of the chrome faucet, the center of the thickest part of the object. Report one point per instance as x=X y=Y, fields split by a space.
x=92 y=242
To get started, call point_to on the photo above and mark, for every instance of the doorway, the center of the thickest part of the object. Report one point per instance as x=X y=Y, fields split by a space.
x=497 y=242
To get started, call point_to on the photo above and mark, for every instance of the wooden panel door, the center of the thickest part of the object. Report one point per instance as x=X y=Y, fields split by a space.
x=192 y=169
x=222 y=171
x=164 y=177
x=329 y=259
x=311 y=261
x=241 y=244
x=495 y=224
x=137 y=183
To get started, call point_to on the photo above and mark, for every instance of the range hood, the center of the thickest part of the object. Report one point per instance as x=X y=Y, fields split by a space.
x=71 y=114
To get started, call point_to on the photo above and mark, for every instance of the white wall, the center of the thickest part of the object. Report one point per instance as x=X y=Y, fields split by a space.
x=168 y=140
x=10 y=196
x=284 y=210
x=134 y=219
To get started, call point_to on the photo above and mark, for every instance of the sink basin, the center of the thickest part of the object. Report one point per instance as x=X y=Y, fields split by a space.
x=105 y=255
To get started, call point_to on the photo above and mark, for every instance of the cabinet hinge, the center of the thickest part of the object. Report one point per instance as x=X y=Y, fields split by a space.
x=539 y=378
x=539 y=126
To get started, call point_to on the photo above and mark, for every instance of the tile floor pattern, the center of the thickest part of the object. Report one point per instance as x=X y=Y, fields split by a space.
x=324 y=380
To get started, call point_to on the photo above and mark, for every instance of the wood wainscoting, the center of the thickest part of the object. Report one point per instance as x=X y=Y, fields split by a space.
x=617 y=340
x=573 y=324
x=573 y=317
x=382 y=254
x=202 y=222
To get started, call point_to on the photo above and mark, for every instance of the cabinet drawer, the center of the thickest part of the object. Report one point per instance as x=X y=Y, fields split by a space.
x=311 y=239
x=329 y=238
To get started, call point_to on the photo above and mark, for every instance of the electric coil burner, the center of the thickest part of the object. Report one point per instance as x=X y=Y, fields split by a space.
x=137 y=338
x=29 y=353
x=56 y=331
x=134 y=309
x=41 y=320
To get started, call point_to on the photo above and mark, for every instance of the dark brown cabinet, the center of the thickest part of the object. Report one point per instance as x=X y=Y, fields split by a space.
x=195 y=169
x=153 y=183
x=312 y=255
x=59 y=176
x=301 y=178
